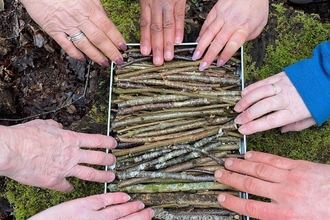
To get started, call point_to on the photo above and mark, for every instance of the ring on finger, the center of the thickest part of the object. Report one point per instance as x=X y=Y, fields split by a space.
x=274 y=88
x=76 y=37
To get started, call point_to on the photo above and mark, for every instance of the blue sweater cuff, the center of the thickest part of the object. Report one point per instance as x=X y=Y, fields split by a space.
x=311 y=78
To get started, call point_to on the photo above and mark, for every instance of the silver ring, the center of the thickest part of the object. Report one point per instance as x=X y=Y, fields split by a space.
x=76 y=37
x=274 y=88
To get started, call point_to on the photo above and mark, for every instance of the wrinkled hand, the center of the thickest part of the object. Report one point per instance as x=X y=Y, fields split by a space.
x=109 y=206
x=64 y=18
x=262 y=110
x=297 y=189
x=40 y=153
x=228 y=25
x=161 y=25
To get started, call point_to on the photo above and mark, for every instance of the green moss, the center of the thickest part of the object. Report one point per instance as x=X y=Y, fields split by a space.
x=29 y=200
x=296 y=36
x=125 y=14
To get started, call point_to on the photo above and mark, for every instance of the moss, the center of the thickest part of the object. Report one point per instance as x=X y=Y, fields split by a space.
x=125 y=14
x=296 y=36
x=29 y=200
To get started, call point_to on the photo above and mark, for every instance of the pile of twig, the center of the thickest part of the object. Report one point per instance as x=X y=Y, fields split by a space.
x=174 y=126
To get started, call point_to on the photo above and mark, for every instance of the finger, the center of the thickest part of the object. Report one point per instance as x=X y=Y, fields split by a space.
x=263 y=107
x=251 y=208
x=145 y=17
x=106 y=26
x=179 y=13
x=210 y=18
x=91 y=174
x=95 y=140
x=233 y=44
x=122 y=210
x=98 y=39
x=271 y=159
x=206 y=39
x=100 y=6
x=270 y=80
x=169 y=31
x=220 y=40
x=144 y=214
x=259 y=170
x=255 y=96
x=298 y=126
x=245 y=183
x=68 y=46
x=157 y=36
x=100 y=201
x=63 y=186
x=97 y=158
x=270 y=121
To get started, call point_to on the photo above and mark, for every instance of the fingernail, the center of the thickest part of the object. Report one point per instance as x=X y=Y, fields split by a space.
x=158 y=61
x=105 y=63
x=218 y=174
x=220 y=63
x=248 y=155
x=119 y=61
x=152 y=213
x=123 y=46
x=229 y=162
x=236 y=121
x=202 y=66
x=168 y=55
x=82 y=59
x=195 y=55
x=177 y=40
x=144 y=50
x=126 y=198
x=198 y=38
x=221 y=198
x=141 y=206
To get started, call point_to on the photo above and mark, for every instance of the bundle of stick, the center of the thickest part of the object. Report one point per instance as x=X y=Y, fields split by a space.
x=175 y=127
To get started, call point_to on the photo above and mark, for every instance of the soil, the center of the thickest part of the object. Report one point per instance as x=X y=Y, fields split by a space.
x=38 y=80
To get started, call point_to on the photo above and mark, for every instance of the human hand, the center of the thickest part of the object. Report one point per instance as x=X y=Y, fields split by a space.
x=227 y=26
x=297 y=189
x=261 y=109
x=63 y=18
x=109 y=206
x=40 y=153
x=161 y=26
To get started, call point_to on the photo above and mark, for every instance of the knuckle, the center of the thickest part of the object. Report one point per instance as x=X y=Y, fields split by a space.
x=168 y=25
x=271 y=120
x=261 y=170
x=144 y=23
x=250 y=185
x=179 y=17
x=251 y=208
x=156 y=27
x=90 y=175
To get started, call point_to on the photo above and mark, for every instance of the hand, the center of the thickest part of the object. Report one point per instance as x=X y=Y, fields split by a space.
x=297 y=189
x=271 y=103
x=162 y=25
x=227 y=26
x=109 y=206
x=40 y=153
x=63 y=18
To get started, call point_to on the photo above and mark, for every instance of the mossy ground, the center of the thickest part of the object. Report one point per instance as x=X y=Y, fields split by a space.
x=296 y=36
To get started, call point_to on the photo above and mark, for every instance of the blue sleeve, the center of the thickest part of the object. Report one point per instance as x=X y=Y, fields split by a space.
x=311 y=78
